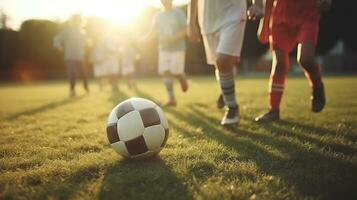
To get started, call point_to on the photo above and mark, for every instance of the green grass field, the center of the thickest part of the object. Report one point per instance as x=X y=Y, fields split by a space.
x=55 y=147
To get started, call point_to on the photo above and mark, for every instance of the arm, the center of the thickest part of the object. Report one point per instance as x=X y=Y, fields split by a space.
x=193 y=31
x=256 y=11
x=182 y=21
x=324 y=5
x=58 y=41
x=179 y=35
x=152 y=34
x=259 y=10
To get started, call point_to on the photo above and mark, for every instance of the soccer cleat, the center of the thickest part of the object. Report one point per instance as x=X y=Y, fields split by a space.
x=270 y=116
x=231 y=116
x=171 y=102
x=184 y=83
x=318 y=99
x=220 y=102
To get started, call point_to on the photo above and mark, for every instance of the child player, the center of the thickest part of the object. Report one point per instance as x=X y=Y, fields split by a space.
x=129 y=55
x=105 y=60
x=222 y=25
x=170 y=25
x=286 y=24
x=73 y=42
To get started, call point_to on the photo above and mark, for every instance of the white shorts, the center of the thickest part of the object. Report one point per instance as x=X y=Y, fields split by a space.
x=172 y=62
x=109 y=67
x=228 y=40
x=127 y=69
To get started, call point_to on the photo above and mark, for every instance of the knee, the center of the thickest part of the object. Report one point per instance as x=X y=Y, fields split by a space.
x=306 y=63
x=280 y=68
x=225 y=63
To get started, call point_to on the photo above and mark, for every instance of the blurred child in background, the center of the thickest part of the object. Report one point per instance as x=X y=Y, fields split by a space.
x=105 y=60
x=72 y=41
x=129 y=55
x=170 y=26
x=288 y=24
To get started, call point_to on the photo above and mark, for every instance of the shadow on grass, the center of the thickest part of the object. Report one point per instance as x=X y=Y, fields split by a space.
x=45 y=107
x=142 y=179
x=117 y=96
x=312 y=171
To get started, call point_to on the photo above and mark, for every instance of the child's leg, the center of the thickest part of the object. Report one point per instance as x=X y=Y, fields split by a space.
x=71 y=72
x=278 y=74
x=225 y=75
x=220 y=102
x=100 y=82
x=182 y=79
x=169 y=84
x=113 y=79
x=81 y=68
x=306 y=59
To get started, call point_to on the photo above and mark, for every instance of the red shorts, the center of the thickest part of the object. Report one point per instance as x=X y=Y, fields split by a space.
x=285 y=36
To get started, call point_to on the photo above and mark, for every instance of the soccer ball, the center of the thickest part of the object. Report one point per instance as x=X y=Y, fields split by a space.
x=137 y=128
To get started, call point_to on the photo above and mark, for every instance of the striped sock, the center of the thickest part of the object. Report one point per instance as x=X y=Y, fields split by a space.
x=226 y=82
x=169 y=84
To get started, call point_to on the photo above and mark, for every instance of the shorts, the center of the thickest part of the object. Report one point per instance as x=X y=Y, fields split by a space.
x=285 y=37
x=106 y=68
x=172 y=62
x=127 y=69
x=228 y=40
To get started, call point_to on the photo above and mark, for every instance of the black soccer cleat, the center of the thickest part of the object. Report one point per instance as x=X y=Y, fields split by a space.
x=272 y=115
x=318 y=99
x=220 y=102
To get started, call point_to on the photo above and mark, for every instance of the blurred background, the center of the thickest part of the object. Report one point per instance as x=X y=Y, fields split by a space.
x=27 y=29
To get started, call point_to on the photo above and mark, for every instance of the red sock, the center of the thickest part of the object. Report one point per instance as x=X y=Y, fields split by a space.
x=277 y=82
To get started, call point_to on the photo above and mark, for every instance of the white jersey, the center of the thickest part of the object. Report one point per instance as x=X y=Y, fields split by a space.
x=74 y=43
x=105 y=57
x=214 y=14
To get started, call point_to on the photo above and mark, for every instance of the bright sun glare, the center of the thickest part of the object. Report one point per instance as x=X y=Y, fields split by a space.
x=119 y=12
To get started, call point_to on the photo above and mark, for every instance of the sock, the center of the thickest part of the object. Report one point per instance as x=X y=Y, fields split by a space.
x=313 y=74
x=226 y=81
x=169 y=87
x=277 y=83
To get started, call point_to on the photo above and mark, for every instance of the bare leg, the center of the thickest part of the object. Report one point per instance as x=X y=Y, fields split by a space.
x=306 y=59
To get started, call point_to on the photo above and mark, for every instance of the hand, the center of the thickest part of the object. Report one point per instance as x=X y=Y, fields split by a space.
x=193 y=33
x=324 y=5
x=255 y=12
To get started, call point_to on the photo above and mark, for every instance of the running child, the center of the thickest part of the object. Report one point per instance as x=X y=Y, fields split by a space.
x=286 y=24
x=170 y=26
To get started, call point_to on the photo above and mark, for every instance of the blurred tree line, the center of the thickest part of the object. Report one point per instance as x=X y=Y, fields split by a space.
x=28 y=54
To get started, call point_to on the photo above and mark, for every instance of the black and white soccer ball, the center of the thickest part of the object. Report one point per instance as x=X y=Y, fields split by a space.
x=137 y=128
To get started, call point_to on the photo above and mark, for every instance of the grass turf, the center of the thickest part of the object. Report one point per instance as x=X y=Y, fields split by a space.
x=55 y=147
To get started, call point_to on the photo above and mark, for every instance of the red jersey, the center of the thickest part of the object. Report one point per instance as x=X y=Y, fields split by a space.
x=295 y=12
x=288 y=22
